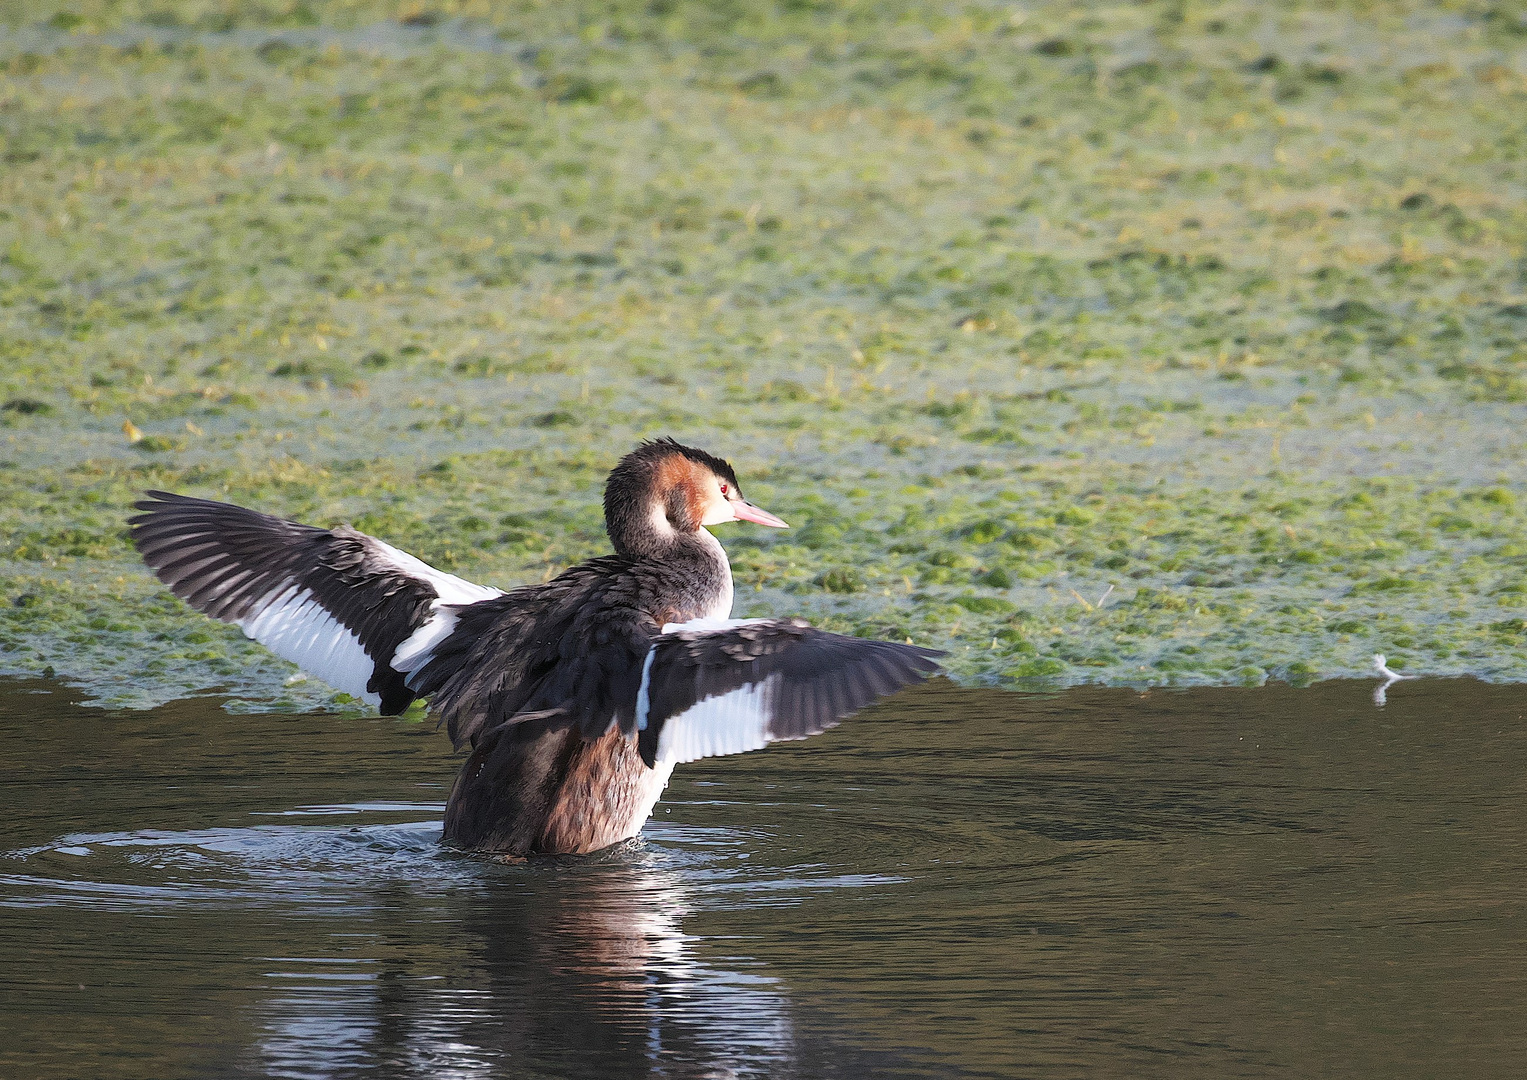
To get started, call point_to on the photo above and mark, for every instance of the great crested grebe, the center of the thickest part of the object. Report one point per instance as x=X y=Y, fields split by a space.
x=578 y=696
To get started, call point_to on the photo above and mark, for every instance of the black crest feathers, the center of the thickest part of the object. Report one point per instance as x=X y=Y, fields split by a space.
x=637 y=482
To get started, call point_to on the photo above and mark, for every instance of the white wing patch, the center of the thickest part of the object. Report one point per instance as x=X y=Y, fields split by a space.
x=644 y=695
x=291 y=624
x=707 y=625
x=417 y=648
x=294 y=626
x=730 y=723
x=452 y=589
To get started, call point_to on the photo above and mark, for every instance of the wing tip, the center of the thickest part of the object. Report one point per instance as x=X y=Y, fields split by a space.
x=158 y=500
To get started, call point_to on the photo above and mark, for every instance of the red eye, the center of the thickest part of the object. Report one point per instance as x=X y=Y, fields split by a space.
x=725 y=489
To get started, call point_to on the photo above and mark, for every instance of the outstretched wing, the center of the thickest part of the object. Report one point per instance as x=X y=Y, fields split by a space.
x=335 y=602
x=721 y=687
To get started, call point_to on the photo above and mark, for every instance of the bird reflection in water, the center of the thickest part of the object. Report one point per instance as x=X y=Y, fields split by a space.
x=562 y=969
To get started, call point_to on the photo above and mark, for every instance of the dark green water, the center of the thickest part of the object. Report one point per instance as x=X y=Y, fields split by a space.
x=1205 y=883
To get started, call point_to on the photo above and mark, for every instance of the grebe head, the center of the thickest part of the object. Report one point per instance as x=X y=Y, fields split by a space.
x=663 y=490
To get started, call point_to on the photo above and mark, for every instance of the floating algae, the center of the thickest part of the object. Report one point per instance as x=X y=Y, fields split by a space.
x=1105 y=344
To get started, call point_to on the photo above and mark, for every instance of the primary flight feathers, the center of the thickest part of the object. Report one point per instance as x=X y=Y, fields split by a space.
x=335 y=602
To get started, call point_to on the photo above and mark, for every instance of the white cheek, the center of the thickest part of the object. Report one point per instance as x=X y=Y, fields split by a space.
x=719 y=510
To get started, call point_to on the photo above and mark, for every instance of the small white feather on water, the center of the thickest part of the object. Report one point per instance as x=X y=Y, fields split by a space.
x=1390 y=677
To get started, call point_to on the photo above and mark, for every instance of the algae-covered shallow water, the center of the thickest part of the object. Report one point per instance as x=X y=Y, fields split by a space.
x=960 y=883
x=1136 y=344
x=1153 y=345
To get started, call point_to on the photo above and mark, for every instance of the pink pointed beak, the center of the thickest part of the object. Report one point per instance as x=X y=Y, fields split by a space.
x=746 y=511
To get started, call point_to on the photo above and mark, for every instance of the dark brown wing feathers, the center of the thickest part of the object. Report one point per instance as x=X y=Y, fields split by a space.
x=816 y=678
x=227 y=561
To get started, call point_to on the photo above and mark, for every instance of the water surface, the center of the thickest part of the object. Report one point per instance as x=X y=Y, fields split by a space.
x=1203 y=883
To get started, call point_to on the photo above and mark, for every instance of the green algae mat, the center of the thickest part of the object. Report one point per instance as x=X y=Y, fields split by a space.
x=1150 y=344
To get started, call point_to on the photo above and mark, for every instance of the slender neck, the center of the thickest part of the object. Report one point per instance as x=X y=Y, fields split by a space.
x=686 y=564
x=643 y=532
x=690 y=578
x=721 y=604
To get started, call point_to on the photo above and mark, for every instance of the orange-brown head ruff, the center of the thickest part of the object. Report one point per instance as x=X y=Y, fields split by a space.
x=663 y=489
